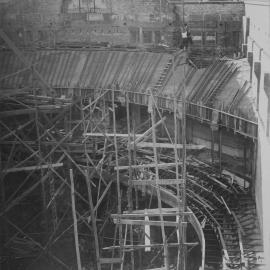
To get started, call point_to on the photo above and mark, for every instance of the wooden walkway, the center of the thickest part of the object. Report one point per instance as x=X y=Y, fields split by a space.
x=198 y=111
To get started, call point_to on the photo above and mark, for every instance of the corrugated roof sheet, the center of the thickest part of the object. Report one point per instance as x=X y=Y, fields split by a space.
x=132 y=70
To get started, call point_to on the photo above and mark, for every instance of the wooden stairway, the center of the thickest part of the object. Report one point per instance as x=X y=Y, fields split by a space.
x=252 y=240
x=164 y=74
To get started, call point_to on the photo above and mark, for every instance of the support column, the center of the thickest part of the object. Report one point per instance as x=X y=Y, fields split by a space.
x=220 y=149
x=141 y=35
x=105 y=114
x=136 y=115
x=257 y=71
x=268 y=118
x=266 y=86
x=212 y=146
x=245 y=156
x=254 y=165
x=250 y=61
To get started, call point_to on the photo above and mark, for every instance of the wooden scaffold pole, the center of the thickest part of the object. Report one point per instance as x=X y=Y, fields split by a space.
x=76 y=237
x=165 y=247
x=119 y=201
x=89 y=189
x=129 y=194
x=182 y=263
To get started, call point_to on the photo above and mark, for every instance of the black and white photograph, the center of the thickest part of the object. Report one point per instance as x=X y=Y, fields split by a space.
x=134 y=134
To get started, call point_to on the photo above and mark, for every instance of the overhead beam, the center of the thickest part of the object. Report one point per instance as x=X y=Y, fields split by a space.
x=157 y=213
x=156 y=182
x=97 y=134
x=169 y=145
x=145 y=222
x=153 y=210
x=129 y=247
x=150 y=165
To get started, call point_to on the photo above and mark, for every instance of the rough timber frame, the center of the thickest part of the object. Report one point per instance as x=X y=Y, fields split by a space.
x=52 y=159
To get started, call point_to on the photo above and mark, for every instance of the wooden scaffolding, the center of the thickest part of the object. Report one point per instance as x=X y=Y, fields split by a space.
x=56 y=146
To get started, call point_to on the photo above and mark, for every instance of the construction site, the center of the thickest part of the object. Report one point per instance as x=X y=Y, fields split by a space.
x=122 y=148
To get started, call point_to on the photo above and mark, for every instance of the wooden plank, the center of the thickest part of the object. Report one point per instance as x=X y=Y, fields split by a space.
x=155 y=182
x=128 y=247
x=97 y=134
x=32 y=168
x=150 y=165
x=143 y=222
x=110 y=260
x=53 y=99
x=169 y=146
x=164 y=214
x=152 y=210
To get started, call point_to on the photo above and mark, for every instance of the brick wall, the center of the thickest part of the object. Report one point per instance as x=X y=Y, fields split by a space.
x=114 y=21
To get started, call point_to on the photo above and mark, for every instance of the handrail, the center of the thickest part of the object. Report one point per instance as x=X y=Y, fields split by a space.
x=240 y=231
x=167 y=98
x=243 y=260
x=224 y=248
x=200 y=111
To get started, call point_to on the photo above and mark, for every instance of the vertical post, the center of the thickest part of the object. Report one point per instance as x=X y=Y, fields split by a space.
x=160 y=6
x=166 y=262
x=43 y=183
x=136 y=189
x=268 y=117
x=254 y=165
x=140 y=35
x=182 y=264
x=179 y=217
x=129 y=193
x=136 y=114
x=117 y=175
x=114 y=243
x=220 y=149
x=212 y=146
x=79 y=6
x=258 y=91
x=125 y=241
x=78 y=256
x=245 y=156
x=93 y=217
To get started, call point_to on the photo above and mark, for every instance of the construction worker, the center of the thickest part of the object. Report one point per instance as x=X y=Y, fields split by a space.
x=186 y=37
